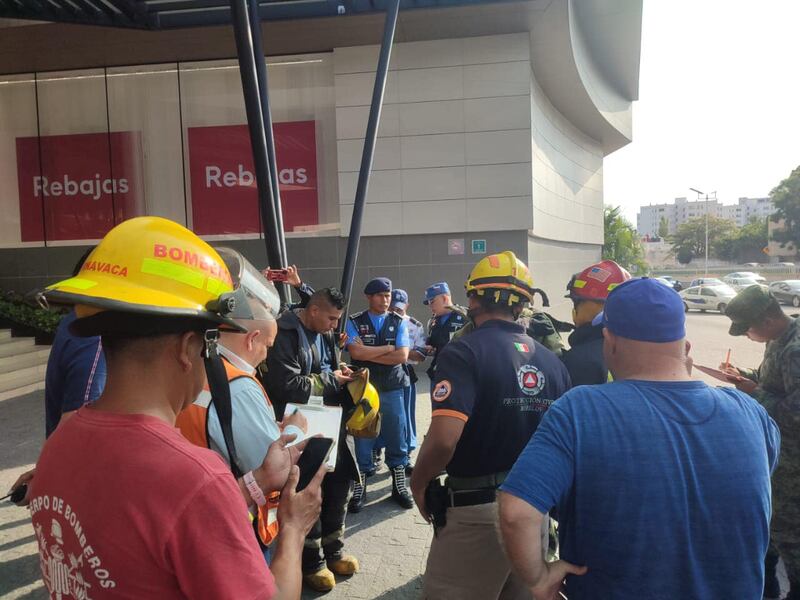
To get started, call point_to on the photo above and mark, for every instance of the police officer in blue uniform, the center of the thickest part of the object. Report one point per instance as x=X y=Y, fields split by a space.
x=446 y=321
x=490 y=392
x=378 y=340
x=416 y=336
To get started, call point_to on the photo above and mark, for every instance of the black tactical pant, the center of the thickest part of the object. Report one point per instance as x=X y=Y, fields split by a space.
x=327 y=534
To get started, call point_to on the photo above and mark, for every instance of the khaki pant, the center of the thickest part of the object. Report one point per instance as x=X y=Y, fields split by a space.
x=467 y=561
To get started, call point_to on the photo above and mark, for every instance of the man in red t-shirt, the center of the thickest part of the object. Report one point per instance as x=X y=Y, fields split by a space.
x=124 y=506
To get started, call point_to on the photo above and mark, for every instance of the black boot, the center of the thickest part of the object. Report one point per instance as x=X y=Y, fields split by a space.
x=400 y=493
x=359 y=496
x=772 y=587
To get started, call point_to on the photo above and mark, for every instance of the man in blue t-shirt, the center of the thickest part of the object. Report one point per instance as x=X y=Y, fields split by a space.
x=662 y=483
x=76 y=368
x=76 y=373
x=378 y=340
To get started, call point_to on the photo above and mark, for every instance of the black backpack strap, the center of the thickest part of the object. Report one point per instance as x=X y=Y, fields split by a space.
x=221 y=398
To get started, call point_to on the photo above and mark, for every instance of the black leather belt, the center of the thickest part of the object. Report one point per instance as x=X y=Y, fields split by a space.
x=471 y=497
x=481 y=482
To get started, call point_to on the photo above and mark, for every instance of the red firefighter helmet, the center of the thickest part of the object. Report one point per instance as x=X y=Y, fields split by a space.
x=595 y=282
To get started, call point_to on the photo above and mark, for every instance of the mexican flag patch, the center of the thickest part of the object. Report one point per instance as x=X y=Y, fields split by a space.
x=522 y=347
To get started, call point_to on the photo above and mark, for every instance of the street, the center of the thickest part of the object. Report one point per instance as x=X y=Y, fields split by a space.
x=390 y=542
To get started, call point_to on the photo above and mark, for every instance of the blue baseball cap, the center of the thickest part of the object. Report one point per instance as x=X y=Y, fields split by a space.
x=645 y=310
x=379 y=285
x=399 y=298
x=437 y=289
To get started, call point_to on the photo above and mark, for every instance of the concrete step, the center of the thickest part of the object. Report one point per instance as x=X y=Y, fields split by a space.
x=5 y=334
x=16 y=346
x=22 y=377
x=37 y=355
x=21 y=391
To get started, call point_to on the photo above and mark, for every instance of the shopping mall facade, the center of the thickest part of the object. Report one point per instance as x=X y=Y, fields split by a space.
x=495 y=123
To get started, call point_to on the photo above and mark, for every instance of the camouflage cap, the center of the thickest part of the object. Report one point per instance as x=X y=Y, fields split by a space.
x=748 y=308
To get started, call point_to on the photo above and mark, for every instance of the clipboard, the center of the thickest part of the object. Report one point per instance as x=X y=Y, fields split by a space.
x=322 y=420
x=717 y=374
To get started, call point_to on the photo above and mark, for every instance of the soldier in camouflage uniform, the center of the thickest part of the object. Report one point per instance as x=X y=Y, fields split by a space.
x=776 y=385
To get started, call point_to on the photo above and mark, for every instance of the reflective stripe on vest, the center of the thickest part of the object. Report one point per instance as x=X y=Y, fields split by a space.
x=193 y=423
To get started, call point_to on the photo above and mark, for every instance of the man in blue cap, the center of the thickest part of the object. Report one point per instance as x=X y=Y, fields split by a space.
x=445 y=322
x=662 y=483
x=416 y=336
x=378 y=340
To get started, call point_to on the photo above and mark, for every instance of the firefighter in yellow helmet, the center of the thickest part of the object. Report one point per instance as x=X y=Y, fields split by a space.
x=541 y=326
x=163 y=518
x=490 y=391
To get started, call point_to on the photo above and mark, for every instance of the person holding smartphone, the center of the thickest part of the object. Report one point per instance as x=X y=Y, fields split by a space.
x=254 y=425
x=145 y=513
x=304 y=362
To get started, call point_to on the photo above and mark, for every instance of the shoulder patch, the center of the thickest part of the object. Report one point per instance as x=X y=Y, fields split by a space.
x=358 y=314
x=442 y=391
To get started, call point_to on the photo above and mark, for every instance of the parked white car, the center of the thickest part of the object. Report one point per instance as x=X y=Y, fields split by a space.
x=707 y=297
x=744 y=275
x=706 y=281
x=739 y=283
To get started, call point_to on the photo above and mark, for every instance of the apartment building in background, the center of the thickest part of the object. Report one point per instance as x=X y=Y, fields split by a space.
x=681 y=210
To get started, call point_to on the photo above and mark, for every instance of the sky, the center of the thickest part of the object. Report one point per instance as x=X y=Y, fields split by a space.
x=719 y=103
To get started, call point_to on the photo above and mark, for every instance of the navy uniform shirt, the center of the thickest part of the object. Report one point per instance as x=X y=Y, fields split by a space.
x=440 y=331
x=500 y=382
x=584 y=359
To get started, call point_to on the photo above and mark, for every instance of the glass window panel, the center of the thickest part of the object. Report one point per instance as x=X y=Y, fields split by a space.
x=77 y=186
x=144 y=115
x=22 y=223
x=219 y=167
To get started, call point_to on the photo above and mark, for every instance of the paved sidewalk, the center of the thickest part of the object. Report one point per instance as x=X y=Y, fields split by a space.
x=21 y=436
x=390 y=542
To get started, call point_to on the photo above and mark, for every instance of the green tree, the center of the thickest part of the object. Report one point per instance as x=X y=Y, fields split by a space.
x=689 y=240
x=622 y=243
x=663 y=228
x=786 y=198
x=684 y=255
x=745 y=244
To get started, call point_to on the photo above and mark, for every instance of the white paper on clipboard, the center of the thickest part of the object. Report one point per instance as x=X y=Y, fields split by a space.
x=322 y=420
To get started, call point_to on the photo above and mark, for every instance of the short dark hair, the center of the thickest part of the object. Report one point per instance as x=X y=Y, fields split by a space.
x=489 y=305
x=328 y=296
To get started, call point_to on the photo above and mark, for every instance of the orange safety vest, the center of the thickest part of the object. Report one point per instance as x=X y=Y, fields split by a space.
x=193 y=423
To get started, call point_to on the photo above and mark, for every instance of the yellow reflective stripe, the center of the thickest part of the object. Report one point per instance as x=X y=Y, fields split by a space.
x=216 y=286
x=579 y=283
x=611 y=286
x=76 y=282
x=175 y=272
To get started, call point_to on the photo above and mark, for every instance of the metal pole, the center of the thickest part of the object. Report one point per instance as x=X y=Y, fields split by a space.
x=369 y=150
x=266 y=110
x=706 y=273
x=255 y=121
